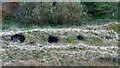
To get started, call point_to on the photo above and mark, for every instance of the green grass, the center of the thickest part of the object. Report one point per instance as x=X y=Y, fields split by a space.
x=9 y=22
x=37 y=54
x=11 y=25
x=70 y=39
x=7 y=26
x=33 y=37
x=95 y=41
x=29 y=37
x=115 y=27
x=110 y=59
x=16 y=53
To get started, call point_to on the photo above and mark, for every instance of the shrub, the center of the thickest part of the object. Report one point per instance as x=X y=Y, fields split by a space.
x=101 y=10
x=62 y=13
x=45 y=13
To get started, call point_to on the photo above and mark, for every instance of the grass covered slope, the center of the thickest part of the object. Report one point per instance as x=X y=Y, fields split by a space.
x=95 y=49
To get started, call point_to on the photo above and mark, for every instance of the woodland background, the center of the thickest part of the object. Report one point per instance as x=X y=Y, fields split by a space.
x=55 y=14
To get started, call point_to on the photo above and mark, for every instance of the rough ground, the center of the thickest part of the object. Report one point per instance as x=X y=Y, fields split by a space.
x=95 y=50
